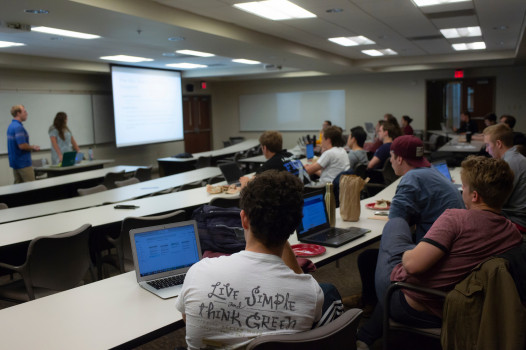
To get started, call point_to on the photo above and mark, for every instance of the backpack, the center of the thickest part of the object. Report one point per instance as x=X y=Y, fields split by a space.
x=219 y=229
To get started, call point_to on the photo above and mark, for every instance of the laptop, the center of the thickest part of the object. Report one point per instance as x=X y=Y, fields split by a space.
x=444 y=170
x=79 y=157
x=369 y=127
x=231 y=172
x=163 y=254
x=68 y=158
x=309 y=148
x=315 y=227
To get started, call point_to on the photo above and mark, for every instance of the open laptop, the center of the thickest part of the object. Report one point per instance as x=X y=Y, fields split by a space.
x=315 y=227
x=442 y=167
x=446 y=129
x=79 y=157
x=68 y=158
x=163 y=254
x=309 y=149
x=231 y=172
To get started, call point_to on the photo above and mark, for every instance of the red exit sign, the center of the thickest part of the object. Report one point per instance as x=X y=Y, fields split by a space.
x=459 y=73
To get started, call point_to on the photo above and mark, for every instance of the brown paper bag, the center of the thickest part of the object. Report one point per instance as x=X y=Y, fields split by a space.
x=350 y=188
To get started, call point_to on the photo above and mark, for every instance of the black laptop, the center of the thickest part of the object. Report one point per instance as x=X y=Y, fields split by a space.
x=231 y=172
x=315 y=227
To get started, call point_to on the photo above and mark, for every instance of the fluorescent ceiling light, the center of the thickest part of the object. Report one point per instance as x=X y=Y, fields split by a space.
x=275 y=9
x=352 y=41
x=423 y=3
x=10 y=44
x=244 y=61
x=195 y=53
x=384 y=52
x=124 y=58
x=63 y=32
x=461 y=32
x=186 y=65
x=479 y=45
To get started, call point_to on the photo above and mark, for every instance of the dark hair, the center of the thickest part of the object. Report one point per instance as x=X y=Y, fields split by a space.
x=60 y=124
x=272 y=140
x=273 y=203
x=334 y=133
x=396 y=131
x=407 y=118
x=468 y=113
x=510 y=120
x=328 y=122
x=391 y=129
x=491 y=117
x=492 y=179
x=359 y=134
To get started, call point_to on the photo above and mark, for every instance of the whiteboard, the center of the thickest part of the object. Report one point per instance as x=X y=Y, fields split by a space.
x=291 y=111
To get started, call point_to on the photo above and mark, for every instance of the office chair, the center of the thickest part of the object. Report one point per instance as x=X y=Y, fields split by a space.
x=203 y=162
x=123 y=259
x=53 y=264
x=91 y=190
x=130 y=181
x=380 y=178
x=111 y=177
x=339 y=334
x=3 y=206
x=143 y=174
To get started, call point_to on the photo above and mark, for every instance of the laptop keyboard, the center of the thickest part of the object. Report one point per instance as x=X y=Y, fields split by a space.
x=341 y=234
x=167 y=282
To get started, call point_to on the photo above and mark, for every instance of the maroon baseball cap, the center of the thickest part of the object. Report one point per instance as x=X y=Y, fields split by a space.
x=411 y=148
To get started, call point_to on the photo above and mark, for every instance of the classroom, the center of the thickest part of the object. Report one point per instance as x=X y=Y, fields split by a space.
x=294 y=57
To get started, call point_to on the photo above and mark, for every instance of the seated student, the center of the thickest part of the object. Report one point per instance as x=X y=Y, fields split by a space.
x=457 y=242
x=334 y=158
x=372 y=147
x=466 y=124
x=387 y=133
x=499 y=144
x=407 y=129
x=357 y=155
x=278 y=158
x=324 y=126
x=230 y=300
x=518 y=137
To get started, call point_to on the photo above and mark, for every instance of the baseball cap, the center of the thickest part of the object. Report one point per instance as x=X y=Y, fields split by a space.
x=411 y=148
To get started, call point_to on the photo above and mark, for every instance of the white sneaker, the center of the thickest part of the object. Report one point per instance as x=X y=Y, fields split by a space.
x=360 y=345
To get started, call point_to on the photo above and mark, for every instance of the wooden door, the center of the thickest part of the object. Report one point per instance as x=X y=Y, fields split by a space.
x=478 y=97
x=197 y=123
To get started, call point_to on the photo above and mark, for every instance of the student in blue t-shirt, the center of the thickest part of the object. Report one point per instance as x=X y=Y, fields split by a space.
x=18 y=146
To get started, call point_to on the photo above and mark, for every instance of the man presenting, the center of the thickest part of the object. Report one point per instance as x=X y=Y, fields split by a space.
x=18 y=146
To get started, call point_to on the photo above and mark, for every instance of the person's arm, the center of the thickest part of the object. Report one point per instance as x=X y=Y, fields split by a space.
x=54 y=144
x=313 y=168
x=184 y=317
x=74 y=144
x=28 y=147
x=373 y=163
x=290 y=260
x=421 y=258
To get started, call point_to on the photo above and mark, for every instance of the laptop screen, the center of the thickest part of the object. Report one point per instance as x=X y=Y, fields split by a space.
x=444 y=170
x=231 y=172
x=310 y=150
x=370 y=127
x=314 y=214
x=166 y=249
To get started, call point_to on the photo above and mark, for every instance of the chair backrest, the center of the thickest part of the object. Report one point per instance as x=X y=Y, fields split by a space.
x=361 y=170
x=130 y=181
x=91 y=190
x=143 y=174
x=3 y=206
x=227 y=143
x=388 y=172
x=58 y=262
x=111 y=177
x=225 y=202
x=339 y=334
x=215 y=179
x=203 y=162
x=236 y=139
x=134 y=222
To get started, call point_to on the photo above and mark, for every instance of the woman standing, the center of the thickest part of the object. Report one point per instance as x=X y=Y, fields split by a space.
x=406 y=127
x=61 y=138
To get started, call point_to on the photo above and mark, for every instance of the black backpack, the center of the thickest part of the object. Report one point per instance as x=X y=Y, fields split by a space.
x=220 y=229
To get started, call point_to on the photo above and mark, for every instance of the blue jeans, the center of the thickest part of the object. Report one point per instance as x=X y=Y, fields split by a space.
x=396 y=239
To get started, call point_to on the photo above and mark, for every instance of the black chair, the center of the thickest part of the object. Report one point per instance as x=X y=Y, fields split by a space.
x=130 y=181
x=111 y=177
x=91 y=190
x=225 y=202
x=236 y=139
x=143 y=174
x=380 y=178
x=203 y=162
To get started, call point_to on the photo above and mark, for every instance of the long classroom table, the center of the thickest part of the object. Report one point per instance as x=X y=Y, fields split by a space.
x=85 y=165
x=56 y=187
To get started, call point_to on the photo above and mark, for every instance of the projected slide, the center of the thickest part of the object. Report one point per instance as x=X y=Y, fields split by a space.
x=147 y=105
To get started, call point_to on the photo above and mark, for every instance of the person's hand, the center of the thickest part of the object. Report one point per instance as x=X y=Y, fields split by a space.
x=36 y=148
x=60 y=158
x=244 y=180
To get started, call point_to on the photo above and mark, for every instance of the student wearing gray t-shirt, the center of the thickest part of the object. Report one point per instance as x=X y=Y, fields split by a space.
x=357 y=155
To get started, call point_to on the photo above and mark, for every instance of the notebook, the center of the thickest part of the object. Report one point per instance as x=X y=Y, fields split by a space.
x=68 y=158
x=309 y=148
x=444 y=170
x=163 y=254
x=231 y=172
x=315 y=227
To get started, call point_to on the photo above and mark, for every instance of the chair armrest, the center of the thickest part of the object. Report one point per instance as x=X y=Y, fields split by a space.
x=11 y=267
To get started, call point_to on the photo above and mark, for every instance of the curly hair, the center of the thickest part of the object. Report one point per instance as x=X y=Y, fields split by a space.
x=272 y=140
x=491 y=178
x=273 y=203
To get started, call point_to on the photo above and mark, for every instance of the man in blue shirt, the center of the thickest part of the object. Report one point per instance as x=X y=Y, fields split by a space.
x=18 y=146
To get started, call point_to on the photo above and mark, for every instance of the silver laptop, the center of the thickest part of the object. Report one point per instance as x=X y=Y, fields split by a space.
x=163 y=254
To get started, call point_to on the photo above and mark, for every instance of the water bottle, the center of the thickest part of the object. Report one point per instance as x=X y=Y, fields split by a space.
x=330 y=204
x=90 y=154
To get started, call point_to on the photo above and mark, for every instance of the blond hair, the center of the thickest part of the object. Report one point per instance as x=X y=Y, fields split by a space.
x=500 y=132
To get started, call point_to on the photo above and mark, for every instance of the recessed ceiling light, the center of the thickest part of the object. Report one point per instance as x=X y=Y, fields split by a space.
x=500 y=28
x=58 y=38
x=63 y=32
x=37 y=12
x=176 y=38
x=352 y=41
x=383 y=52
x=10 y=44
x=334 y=10
x=125 y=58
x=423 y=3
x=461 y=32
x=244 y=61
x=195 y=53
x=186 y=65
x=168 y=54
x=479 y=45
x=275 y=9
